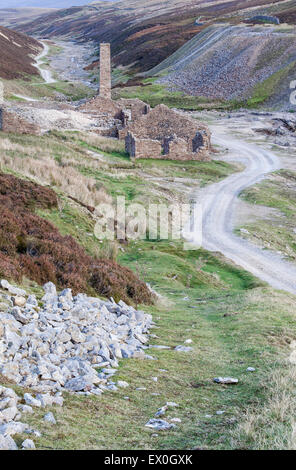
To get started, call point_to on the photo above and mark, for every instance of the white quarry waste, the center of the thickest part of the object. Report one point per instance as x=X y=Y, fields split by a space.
x=68 y=343
x=62 y=344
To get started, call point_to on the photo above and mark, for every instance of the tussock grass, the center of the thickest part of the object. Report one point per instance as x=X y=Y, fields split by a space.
x=58 y=174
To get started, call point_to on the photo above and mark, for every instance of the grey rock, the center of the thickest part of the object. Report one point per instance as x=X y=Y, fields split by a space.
x=12 y=289
x=31 y=401
x=78 y=384
x=49 y=418
x=19 y=301
x=225 y=380
x=14 y=427
x=25 y=409
x=159 y=425
x=7 y=443
x=183 y=348
x=28 y=444
x=19 y=316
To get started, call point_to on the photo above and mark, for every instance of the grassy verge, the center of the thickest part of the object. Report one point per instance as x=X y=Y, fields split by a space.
x=34 y=88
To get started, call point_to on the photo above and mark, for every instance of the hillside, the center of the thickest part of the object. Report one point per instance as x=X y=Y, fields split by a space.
x=233 y=63
x=142 y=33
x=16 y=16
x=44 y=3
x=17 y=52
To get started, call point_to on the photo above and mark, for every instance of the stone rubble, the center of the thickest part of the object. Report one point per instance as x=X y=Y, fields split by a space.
x=62 y=344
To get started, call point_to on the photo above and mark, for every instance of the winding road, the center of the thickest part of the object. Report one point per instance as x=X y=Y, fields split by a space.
x=219 y=202
x=45 y=73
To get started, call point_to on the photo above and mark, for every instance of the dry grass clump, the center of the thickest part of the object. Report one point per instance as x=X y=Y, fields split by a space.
x=32 y=247
x=106 y=144
x=277 y=415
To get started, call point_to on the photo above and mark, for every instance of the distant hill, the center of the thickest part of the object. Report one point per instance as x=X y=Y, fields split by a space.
x=143 y=33
x=41 y=3
x=17 y=54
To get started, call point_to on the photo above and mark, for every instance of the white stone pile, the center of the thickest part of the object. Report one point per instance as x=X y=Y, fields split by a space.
x=68 y=343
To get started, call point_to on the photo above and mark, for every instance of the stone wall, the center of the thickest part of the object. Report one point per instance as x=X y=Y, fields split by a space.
x=134 y=107
x=142 y=148
x=105 y=70
x=101 y=105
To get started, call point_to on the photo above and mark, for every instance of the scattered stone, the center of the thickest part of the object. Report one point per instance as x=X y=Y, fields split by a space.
x=176 y=420
x=28 y=444
x=31 y=401
x=141 y=389
x=159 y=425
x=19 y=316
x=220 y=412
x=188 y=341
x=251 y=369
x=171 y=404
x=155 y=379
x=156 y=346
x=19 y=301
x=122 y=384
x=161 y=412
x=49 y=418
x=225 y=380
x=14 y=427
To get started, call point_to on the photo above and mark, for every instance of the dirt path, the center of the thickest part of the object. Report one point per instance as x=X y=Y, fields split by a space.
x=45 y=73
x=219 y=203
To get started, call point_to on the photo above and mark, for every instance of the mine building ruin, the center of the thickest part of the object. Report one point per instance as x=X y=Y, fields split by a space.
x=167 y=134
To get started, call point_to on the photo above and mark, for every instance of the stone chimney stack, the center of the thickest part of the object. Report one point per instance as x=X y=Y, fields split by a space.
x=105 y=70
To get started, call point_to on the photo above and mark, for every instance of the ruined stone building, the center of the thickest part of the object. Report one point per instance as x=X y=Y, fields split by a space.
x=167 y=134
